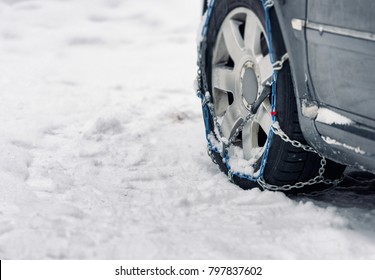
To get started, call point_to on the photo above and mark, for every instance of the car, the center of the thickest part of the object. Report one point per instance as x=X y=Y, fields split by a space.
x=287 y=90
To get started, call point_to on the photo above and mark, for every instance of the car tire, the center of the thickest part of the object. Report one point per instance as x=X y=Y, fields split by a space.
x=237 y=70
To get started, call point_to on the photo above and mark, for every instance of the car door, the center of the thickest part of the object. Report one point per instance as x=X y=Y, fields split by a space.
x=341 y=56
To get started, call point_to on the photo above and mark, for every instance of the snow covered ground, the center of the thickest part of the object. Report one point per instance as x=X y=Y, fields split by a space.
x=102 y=150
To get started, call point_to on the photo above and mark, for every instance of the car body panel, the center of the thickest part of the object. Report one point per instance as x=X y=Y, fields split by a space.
x=334 y=66
x=342 y=61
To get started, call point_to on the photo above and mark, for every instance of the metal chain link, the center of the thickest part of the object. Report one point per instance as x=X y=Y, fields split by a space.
x=278 y=65
x=207 y=101
x=279 y=132
x=316 y=180
x=268 y=4
x=204 y=94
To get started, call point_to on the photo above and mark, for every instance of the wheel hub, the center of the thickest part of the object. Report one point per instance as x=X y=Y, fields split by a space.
x=249 y=84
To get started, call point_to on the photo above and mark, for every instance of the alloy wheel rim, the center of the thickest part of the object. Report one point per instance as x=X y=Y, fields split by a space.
x=241 y=67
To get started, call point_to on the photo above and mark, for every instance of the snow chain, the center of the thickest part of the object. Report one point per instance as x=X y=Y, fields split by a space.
x=207 y=104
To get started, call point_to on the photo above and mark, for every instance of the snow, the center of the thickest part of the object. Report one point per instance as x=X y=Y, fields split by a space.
x=323 y=115
x=240 y=165
x=330 y=117
x=309 y=109
x=331 y=141
x=103 y=154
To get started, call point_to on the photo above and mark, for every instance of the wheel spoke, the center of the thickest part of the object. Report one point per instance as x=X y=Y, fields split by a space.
x=263 y=117
x=252 y=34
x=265 y=68
x=250 y=139
x=223 y=78
x=232 y=119
x=233 y=39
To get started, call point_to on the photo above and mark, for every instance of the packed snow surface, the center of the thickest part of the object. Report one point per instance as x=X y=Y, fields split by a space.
x=103 y=154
